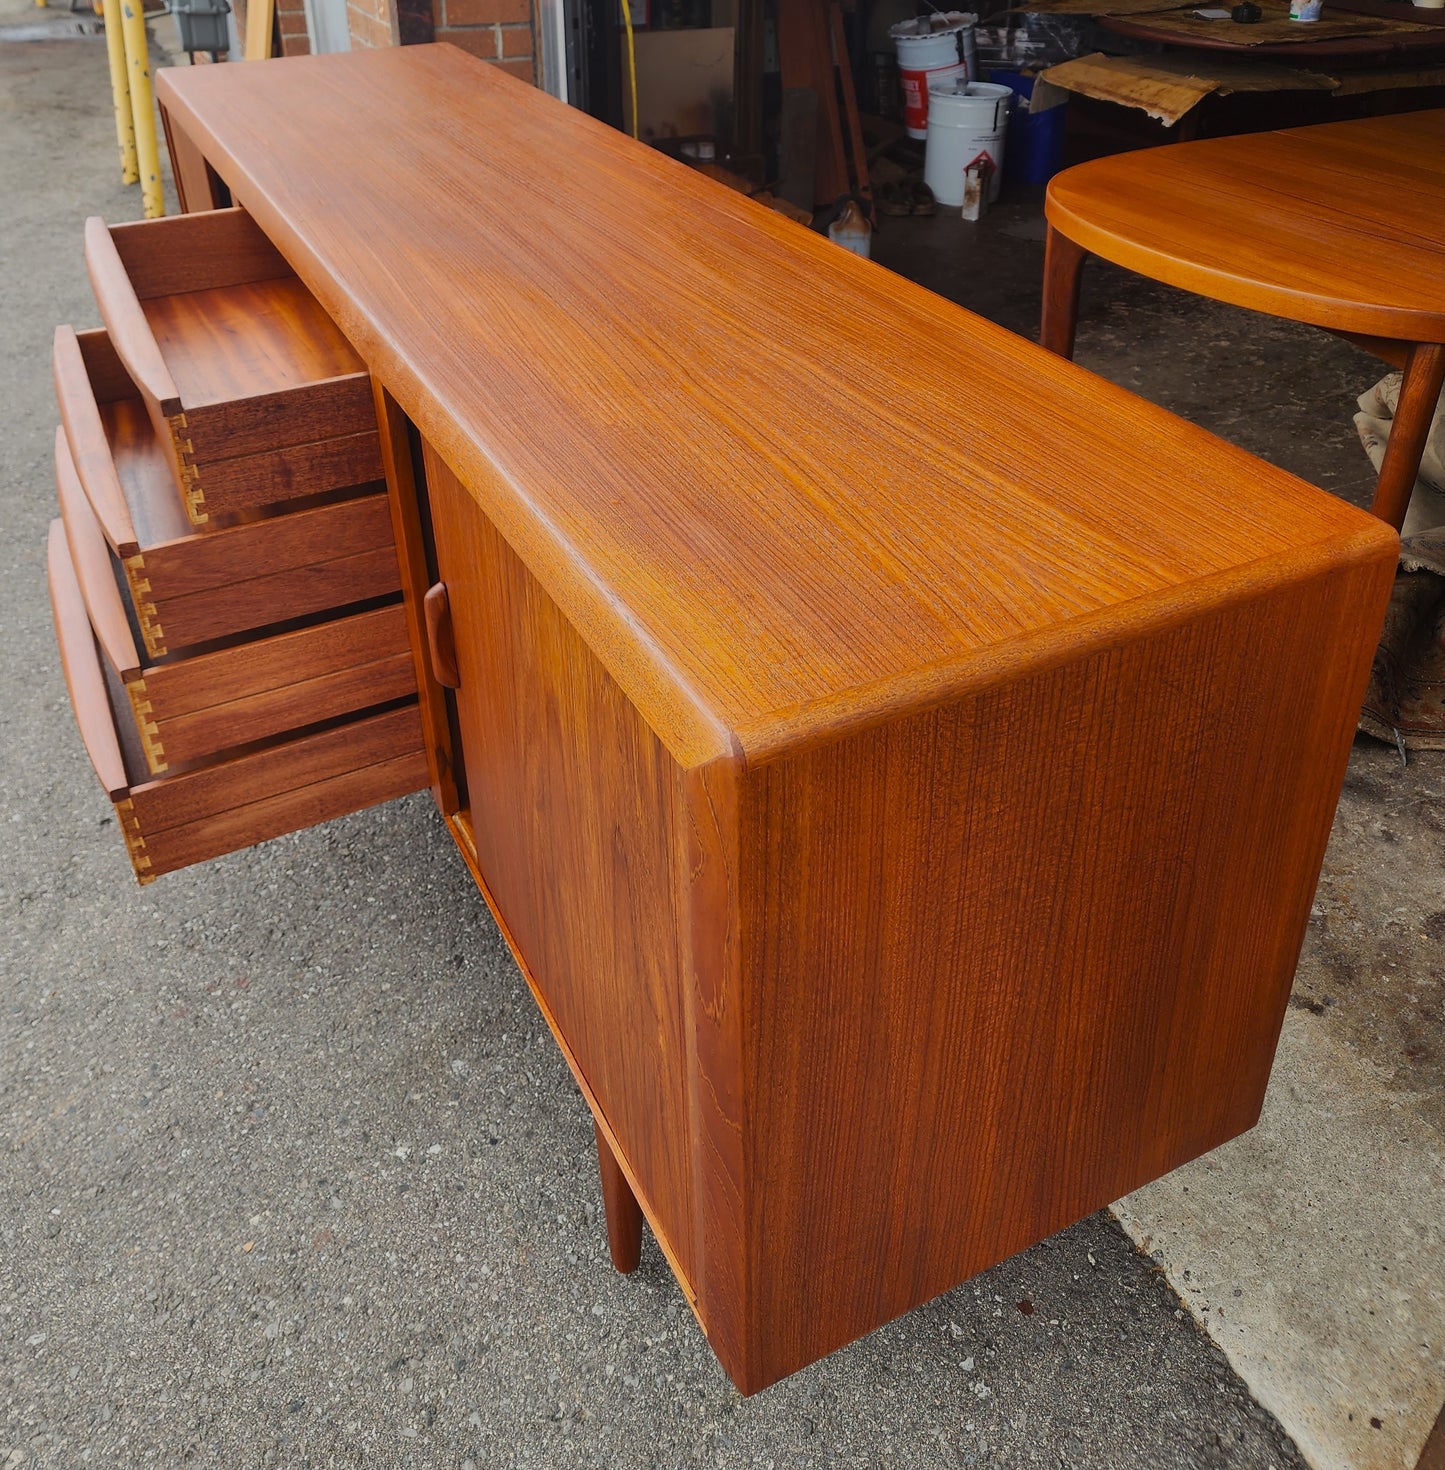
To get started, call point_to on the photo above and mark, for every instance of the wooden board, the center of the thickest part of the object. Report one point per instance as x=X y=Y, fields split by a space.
x=1168 y=87
x=684 y=83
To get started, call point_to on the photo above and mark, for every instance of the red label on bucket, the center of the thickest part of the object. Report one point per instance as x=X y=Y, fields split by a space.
x=915 y=93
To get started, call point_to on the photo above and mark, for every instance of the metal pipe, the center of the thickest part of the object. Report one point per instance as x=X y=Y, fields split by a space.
x=120 y=92
x=142 y=106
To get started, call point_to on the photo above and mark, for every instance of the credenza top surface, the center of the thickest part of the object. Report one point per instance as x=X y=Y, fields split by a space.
x=780 y=490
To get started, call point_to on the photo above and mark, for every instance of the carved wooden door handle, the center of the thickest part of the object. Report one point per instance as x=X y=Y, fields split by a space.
x=440 y=643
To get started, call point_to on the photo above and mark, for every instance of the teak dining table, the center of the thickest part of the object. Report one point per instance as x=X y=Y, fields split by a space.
x=1338 y=225
x=903 y=797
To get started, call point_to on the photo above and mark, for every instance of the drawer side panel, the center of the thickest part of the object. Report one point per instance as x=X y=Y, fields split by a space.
x=1013 y=958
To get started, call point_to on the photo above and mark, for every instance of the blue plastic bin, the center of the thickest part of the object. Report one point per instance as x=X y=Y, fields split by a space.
x=1035 y=140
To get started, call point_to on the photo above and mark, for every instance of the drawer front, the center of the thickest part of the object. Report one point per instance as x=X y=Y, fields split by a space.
x=263 y=572
x=190 y=708
x=206 y=811
x=188 y=586
x=255 y=395
x=197 y=707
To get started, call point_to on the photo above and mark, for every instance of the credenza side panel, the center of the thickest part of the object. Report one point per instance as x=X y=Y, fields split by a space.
x=1009 y=959
x=573 y=806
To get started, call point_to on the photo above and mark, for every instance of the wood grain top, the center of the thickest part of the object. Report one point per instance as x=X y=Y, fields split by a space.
x=1339 y=225
x=780 y=491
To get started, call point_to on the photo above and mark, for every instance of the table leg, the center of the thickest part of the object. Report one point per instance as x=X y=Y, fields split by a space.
x=1419 y=397
x=624 y=1214
x=1063 y=265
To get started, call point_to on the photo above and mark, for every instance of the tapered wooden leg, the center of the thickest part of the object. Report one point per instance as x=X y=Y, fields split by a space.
x=624 y=1214
x=1063 y=265
x=1419 y=397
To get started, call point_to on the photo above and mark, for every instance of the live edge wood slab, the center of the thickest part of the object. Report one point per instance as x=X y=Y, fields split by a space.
x=900 y=762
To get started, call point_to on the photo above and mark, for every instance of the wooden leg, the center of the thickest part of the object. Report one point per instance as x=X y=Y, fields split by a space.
x=624 y=1214
x=1063 y=265
x=1419 y=397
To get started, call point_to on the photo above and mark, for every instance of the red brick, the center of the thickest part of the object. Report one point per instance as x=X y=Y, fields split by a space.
x=366 y=28
x=521 y=69
x=291 y=24
x=516 y=40
x=480 y=40
x=295 y=46
x=488 y=12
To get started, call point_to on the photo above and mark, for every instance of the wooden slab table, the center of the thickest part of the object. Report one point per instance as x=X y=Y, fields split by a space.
x=899 y=761
x=1338 y=225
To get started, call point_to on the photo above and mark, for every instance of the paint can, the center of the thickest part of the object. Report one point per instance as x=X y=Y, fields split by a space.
x=934 y=53
x=966 y=129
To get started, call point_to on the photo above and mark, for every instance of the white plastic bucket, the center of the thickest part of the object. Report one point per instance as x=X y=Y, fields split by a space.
x=962 y=126
x=931 y=61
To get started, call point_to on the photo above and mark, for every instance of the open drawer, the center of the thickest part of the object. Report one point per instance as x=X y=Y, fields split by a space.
x=187 y=709
x=207 y=810
x=189 y=586
x=255 y=394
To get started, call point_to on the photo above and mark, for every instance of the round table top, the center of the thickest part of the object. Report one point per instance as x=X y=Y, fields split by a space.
x=1341 y=225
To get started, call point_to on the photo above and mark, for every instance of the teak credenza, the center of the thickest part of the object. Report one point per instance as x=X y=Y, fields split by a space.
x=900 y=762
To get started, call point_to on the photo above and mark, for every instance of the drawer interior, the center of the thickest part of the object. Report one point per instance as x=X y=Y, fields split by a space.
x=253 y=391
x=122 y=463
x=246 y=340
x=206 y=809
x=228 y=314
x=189 y=585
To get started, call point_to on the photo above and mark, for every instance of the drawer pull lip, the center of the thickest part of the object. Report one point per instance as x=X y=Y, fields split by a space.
x=91 y=567
x=441 y=643
x=81 y=665
x=90 y=449
x=120 y=309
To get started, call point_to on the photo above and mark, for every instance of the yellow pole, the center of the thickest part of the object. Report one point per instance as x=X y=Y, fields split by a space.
x=142 y=106
x=120 y=92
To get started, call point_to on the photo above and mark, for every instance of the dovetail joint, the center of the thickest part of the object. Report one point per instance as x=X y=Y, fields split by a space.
x=135 y=843
x=145 y=608
x=185 y=452
x=150 y=735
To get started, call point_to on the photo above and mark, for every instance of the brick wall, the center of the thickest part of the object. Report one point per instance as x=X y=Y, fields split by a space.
x=499 y=31
x=372 y=23
x=291 y=22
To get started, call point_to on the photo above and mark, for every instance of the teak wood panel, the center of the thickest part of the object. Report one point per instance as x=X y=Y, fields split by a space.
x=923 y=996
x=572 y=813
x=254 y=393
x=197 y=188
x=1337 y=224
x=1006 y=961
x=204 y=812
x=188 y=586
x=777 y=489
